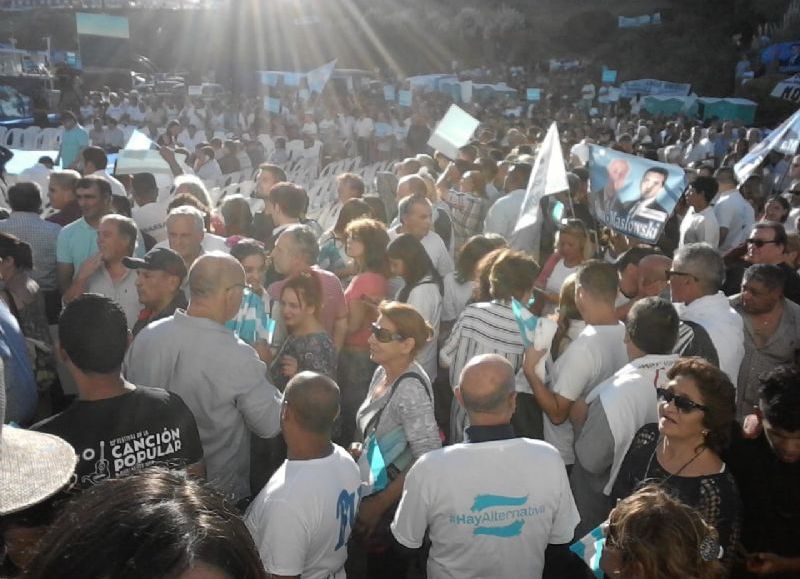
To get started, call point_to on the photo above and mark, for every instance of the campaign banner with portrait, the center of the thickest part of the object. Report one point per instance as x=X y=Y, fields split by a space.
x=786 y=53
x=633 y=195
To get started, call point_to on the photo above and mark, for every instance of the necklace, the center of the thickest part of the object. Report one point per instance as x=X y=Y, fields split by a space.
x=670 y=475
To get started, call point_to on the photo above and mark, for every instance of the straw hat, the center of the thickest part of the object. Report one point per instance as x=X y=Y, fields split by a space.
x=33 y=466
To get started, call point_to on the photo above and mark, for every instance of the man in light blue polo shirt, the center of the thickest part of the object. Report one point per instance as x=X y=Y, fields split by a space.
x=77 y=242
x=74 y=140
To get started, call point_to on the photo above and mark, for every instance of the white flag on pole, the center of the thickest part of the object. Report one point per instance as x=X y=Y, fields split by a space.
x=547 y=178
x=785 y=139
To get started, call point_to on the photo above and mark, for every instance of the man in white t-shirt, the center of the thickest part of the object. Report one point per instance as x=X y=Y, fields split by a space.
x=700 y=224
x=302 y=519
x=734 y=214
x=149 y=215
x=699 y=148
x=596 y=354
x=513 y=519
x=95 y=162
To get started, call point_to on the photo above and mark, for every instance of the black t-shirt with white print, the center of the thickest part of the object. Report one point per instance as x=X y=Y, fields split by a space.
x=117 y=436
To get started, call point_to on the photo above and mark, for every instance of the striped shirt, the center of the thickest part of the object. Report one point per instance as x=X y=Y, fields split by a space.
x=483 y=328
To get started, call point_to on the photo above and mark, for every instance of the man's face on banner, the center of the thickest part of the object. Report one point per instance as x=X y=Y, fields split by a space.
x=652 y=184
x=617 y=170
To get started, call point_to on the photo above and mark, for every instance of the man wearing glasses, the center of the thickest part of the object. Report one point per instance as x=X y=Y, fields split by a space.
x=766 y=245
x=695 y=280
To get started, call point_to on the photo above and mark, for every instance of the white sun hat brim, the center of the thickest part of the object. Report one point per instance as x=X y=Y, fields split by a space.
x=33 y=467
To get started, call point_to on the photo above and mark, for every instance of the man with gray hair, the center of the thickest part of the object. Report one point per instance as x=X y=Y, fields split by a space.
x=185 y=233
x=105 y=273
x=695 y=279
x=296 y=251
x=519 y=512
x=416 y=218
x=222 y=380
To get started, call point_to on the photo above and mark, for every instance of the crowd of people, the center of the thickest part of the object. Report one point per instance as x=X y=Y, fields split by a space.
x=202 y=390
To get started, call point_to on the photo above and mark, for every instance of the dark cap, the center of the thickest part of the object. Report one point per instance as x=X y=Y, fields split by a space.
x=158 y=259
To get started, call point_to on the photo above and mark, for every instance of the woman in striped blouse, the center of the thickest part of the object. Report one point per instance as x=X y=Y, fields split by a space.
x=490 y=327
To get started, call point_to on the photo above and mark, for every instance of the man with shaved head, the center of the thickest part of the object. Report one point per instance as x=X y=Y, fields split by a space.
x=302 y=519
x=519 y=511
x=222 y=380
x=693 y=339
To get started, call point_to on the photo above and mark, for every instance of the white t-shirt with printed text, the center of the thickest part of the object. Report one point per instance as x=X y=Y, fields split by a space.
x=494 y=525
x=302 y=519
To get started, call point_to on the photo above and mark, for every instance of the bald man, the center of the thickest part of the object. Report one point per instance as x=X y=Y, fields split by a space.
x=516 y=518
x=693 y=339
x=221 y=379
x=302 y=519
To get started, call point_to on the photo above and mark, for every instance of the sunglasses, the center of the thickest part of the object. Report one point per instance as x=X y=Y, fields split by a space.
x=682 y=403
x=384 y=336
x=759 y=242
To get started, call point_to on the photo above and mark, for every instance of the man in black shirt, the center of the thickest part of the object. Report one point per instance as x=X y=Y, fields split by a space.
x=116 y=427
x=767 y=472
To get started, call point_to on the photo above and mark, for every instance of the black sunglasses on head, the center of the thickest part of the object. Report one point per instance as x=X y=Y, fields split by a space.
x=384 y=336
x=682 y=403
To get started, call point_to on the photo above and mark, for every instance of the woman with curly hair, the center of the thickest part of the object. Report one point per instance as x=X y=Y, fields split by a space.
x=682 y=451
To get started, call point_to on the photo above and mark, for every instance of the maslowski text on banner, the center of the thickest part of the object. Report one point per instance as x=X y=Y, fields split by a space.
x=632 y=195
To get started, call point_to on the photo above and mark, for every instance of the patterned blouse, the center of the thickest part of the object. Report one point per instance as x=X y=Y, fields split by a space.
x=715 y=497
x=314 y=352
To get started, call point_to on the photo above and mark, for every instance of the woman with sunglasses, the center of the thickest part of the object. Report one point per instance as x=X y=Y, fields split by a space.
x=422 y=289
x=366 y=241
x=682 y=452
x=396 y=421
x=652 y=535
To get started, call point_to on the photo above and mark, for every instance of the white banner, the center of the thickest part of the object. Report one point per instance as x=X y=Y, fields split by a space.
x=788 y=89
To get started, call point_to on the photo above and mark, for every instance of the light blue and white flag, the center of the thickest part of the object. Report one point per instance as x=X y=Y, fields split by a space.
x=319 y=77
x=785 y=139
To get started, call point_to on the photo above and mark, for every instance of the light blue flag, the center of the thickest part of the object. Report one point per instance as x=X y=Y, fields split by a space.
x=453 y=131
x=269 y=78
x=319 y=77
x=785 y=139
x=272 y=105
x=404 y=98
x=534 y=94
x=388 y=93
x=590 y=549
x=292 y=78
x=609 y=76
x=526 y=322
